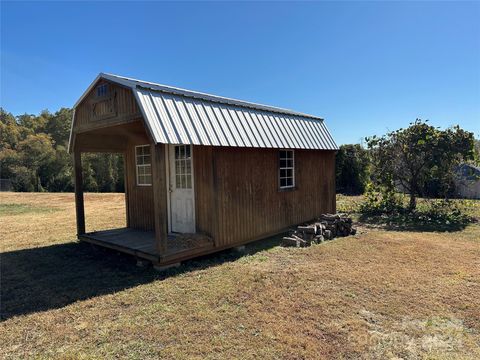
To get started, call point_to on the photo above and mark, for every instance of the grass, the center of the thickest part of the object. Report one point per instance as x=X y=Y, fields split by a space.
x=17 y=209
x=380 y=294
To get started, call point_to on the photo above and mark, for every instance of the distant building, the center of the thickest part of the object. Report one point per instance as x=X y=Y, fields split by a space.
x=467 y=182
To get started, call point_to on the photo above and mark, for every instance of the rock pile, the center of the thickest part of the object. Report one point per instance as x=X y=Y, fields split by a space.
x=326 y=227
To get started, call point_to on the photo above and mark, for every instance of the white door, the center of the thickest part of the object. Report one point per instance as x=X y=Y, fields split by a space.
x=182 y=200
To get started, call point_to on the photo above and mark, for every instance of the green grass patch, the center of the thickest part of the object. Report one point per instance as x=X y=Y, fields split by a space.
x=20 y=209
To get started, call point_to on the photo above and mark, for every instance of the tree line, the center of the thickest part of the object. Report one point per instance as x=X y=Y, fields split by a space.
x=34 y=155
x=420 y=160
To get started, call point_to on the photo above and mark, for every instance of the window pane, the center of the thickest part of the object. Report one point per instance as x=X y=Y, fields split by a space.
x=146 y=150
x=187 y=151
x=177 y=167
x=189 y=182
x=148 y=179
x=286 y=168
x=188 y=167
x=178 y=181
x=148 y=170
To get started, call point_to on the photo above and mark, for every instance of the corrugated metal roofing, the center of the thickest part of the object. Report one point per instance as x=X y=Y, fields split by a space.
x=178 y=116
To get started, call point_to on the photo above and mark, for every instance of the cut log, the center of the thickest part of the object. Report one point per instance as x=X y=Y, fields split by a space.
x=327 y=227
x=288 y=241
x=307 y=229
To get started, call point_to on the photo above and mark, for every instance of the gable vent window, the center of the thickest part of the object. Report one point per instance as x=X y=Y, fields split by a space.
x=143 y=164
x=286 y=169
x=102 y=90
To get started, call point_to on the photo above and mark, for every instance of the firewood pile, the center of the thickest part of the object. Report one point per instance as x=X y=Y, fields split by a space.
x=326 y=227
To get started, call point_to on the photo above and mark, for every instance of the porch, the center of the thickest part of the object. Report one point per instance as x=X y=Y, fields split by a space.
x=142 y=244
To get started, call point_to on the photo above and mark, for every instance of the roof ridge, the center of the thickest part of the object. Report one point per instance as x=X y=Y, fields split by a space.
x=202 y=95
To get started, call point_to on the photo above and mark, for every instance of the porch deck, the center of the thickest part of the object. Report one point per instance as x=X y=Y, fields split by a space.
x=141 y=244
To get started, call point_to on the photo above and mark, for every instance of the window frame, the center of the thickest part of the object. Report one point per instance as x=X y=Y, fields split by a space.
x=280 y=168
x=137 y=165
x=186 y=177
x=105 y=93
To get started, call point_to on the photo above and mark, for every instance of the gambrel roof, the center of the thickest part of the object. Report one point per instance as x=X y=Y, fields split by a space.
x=179 y=116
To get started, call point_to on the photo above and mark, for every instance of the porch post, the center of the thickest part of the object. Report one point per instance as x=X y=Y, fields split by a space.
x=80 y=211
x=159 y=184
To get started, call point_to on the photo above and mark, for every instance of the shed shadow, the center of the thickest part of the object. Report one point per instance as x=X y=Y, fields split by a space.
x=51 y=277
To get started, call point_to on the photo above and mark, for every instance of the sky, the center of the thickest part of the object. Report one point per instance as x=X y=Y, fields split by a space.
x=366 y=67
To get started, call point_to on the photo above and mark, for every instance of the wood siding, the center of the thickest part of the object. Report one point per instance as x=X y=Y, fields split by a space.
x=205 y=213
x=140 y=198
x=238 y=197
x=140 y=210
x=117 y=107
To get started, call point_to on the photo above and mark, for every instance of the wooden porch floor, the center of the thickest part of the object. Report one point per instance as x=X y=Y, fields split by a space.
x=141 y=244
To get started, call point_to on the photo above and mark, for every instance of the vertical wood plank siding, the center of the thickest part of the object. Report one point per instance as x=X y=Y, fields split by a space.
x=159 y=189
x=238 y=197
x=140 y=198
x=125 y=109
x=204 y=197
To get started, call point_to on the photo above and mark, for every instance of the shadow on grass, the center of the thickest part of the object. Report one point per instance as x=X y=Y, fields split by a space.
x=52 y=277
x=404 y=223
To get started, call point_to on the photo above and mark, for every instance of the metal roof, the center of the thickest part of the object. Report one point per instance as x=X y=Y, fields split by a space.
x=179 y=116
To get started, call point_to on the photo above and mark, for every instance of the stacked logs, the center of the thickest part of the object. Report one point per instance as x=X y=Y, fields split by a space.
x=326 y=227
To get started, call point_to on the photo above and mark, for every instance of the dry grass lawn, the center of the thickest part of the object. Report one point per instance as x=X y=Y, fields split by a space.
x=380 y=294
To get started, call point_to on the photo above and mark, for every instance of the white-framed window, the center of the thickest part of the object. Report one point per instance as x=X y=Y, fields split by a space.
x=286 y=169
x=143 y=165
x=183 y=167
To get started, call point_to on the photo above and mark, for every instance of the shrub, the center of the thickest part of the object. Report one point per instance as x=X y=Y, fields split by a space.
x=380 y=200
x=385 y=207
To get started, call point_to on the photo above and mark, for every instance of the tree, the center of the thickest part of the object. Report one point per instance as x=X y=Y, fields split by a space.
x=476 y=160
x=411 y=158
x=36 y=153
x=351 y=169
x=9 y=131
x=58 y=127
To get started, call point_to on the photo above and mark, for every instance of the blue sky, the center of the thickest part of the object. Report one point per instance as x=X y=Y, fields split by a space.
x=366 y=67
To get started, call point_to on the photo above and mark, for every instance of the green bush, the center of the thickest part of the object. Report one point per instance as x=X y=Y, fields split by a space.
x=384 y=206
x=381 y=200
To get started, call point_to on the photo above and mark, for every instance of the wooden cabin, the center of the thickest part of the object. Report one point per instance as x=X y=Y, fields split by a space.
x=202 y=173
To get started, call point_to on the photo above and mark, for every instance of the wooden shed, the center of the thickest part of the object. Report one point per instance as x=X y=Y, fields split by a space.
x=202 y=173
